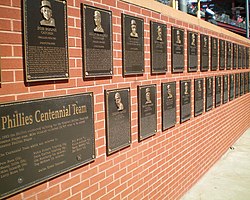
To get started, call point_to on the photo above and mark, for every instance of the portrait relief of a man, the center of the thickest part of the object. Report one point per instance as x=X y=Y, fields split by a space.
x=46 y=11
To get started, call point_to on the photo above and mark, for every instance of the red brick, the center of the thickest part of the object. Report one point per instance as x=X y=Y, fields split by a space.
x=7 y=76
x=29 y=96
x=63 y=195
x=13 y=88
x=10 y=13
x=5 y=25
x=109 y=2
x=69 y=183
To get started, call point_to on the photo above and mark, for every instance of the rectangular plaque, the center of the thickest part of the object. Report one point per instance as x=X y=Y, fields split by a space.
x=43 y=138
x=214 y=54
x=118 y=119
x=45 y=40
x=147 y=104
x=97 y=42
x=209 y=93
x=246 y=88
x=168 y=105
x=248 y=81
x=0 y=70
x=235 y=56
x=231 y=91
x=229 y=55
x=241 y=84
x=192 y=47
x=198 y=96
x=133 y=44
x=247 y=57
x=239 y=56
x=204 y=52
x=243 y=57
x=185 y=100
x=158 y=45
x=177 y=49
x=237 y=85
x=217 y=91
x=222 y=54
x=225 y=88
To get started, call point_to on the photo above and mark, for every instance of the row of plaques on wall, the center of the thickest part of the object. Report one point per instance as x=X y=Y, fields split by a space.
x=46 y=44
x=43 y=138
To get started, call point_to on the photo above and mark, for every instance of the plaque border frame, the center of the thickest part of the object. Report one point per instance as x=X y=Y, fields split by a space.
x=215 y=103
x=207 y=109
x=226 y=60
x=230 y=82
x=188 y=118
x=199 y=113
x=228 y=88
x=220 y=45
x=201 y=51
x=188 y=50
x=211 y=53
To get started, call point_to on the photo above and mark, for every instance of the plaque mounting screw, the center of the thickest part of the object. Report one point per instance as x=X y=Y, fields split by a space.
x=109 y=150
x=20 y=180
x=93 y=156
x=155 y=130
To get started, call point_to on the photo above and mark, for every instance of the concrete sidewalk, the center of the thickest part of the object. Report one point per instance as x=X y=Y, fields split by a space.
x=229 y=178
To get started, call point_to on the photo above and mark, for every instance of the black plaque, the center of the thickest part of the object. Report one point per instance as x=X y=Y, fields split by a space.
x=185 y=100
x=237 y=85
x=217 y=91
x=239 y=56
x=97 y=42
x=168 y=105
x=243 y=57
x=235 y=56
x=248 y=81
x=133 y=44
x=247 y=57
x=192 y=51
x=198 y=96
x=222 y=54
x=46 y=41
x=147 y=105
x=118 y=119
x=241 y=84
x=177 y=49
x=228 y=55
x=0 y=70
x=231 y=91
x=214 y=54
x=204 y=52
x=158 y=39
x=225 y=89
x=41 y=139
x=246 y=88
x=209 y=93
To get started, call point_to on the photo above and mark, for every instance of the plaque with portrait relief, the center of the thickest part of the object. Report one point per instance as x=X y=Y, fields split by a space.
x=192 y=47
x=225 y=89
x=246 y=88
x=248 y=81
x=132 y=45
x=185 y=100
x=217 y=91
x=214 y=54
x=241 y=84
x=147 y=111
x=0 y=69
x=204 y=52
x=243 y=57
x=209 y=93
x=168 y=105
x=222 y=54
x=239 y=56
x=198 y=96
x=232 y=84
x=247 y=57
x=118 y=119
x=235 y=56
x=177 y=48
x=237 y=85
x=97 y=42
x=45 y=40
x=158 y=45
x=228 y=55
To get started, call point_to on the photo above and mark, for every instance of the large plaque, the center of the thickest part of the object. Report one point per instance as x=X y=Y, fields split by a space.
x=214 y=54
x=246 y=88
x=97 y=42
x=243 y=57
x=41 y=139
x=0 y=70
x=147 y=105
x=192 y=51
x=247 y=57
x=241 y=84
x=198 y=97
x=222 y=54
x=237 y=85
x=118 y=122
x=158 y=38
x=231 y=91
x=204 y=52
x=209 y=93
x=45 y=40
x=177 y=49
x=133 y=44
x=225 y=88
x=168 y=105
x=235 y=56
x=229 y=55
x=217 y=91
x=185 y=100
x=248 y=81
x=239 y=56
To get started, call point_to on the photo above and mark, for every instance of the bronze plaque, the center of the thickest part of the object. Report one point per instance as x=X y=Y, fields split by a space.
x=192 y=48
x=133 y=44
x=217 y=91
x=118 y=119
x=214 y=54
x=229 y=55
x=222 y=54
x=243 y=57
x=225 y=89
x=177 y=49
x=209 y=93
x=97 y=42
x=241 y=84
x=235 y=56
x=185 y=100
x=237 y=85
x=246 y=88
x=147 y=106
x=168 y=105
x=0 y=69
x=43 y=138
x=248 y=81
x=231 y=91
x=204 y=52
x=45 y=40
x=158 y=45
x=247 y=57
x=239 y=56
x=198 y=96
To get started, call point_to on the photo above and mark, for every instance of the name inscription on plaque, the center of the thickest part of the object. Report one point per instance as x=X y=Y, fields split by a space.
x=229 y=55
x=192 y=51
x=217 y=91
x=177 y=49
x=204 y=55
x=214 y=53
x=231 y=91
x=225 y=88
x=198 y=97
x=222 y=54
x=185 y=100
x=44 y=138
x=209 y=93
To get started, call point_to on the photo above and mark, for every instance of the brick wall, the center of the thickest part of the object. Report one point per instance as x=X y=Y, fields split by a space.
x=163 y=166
